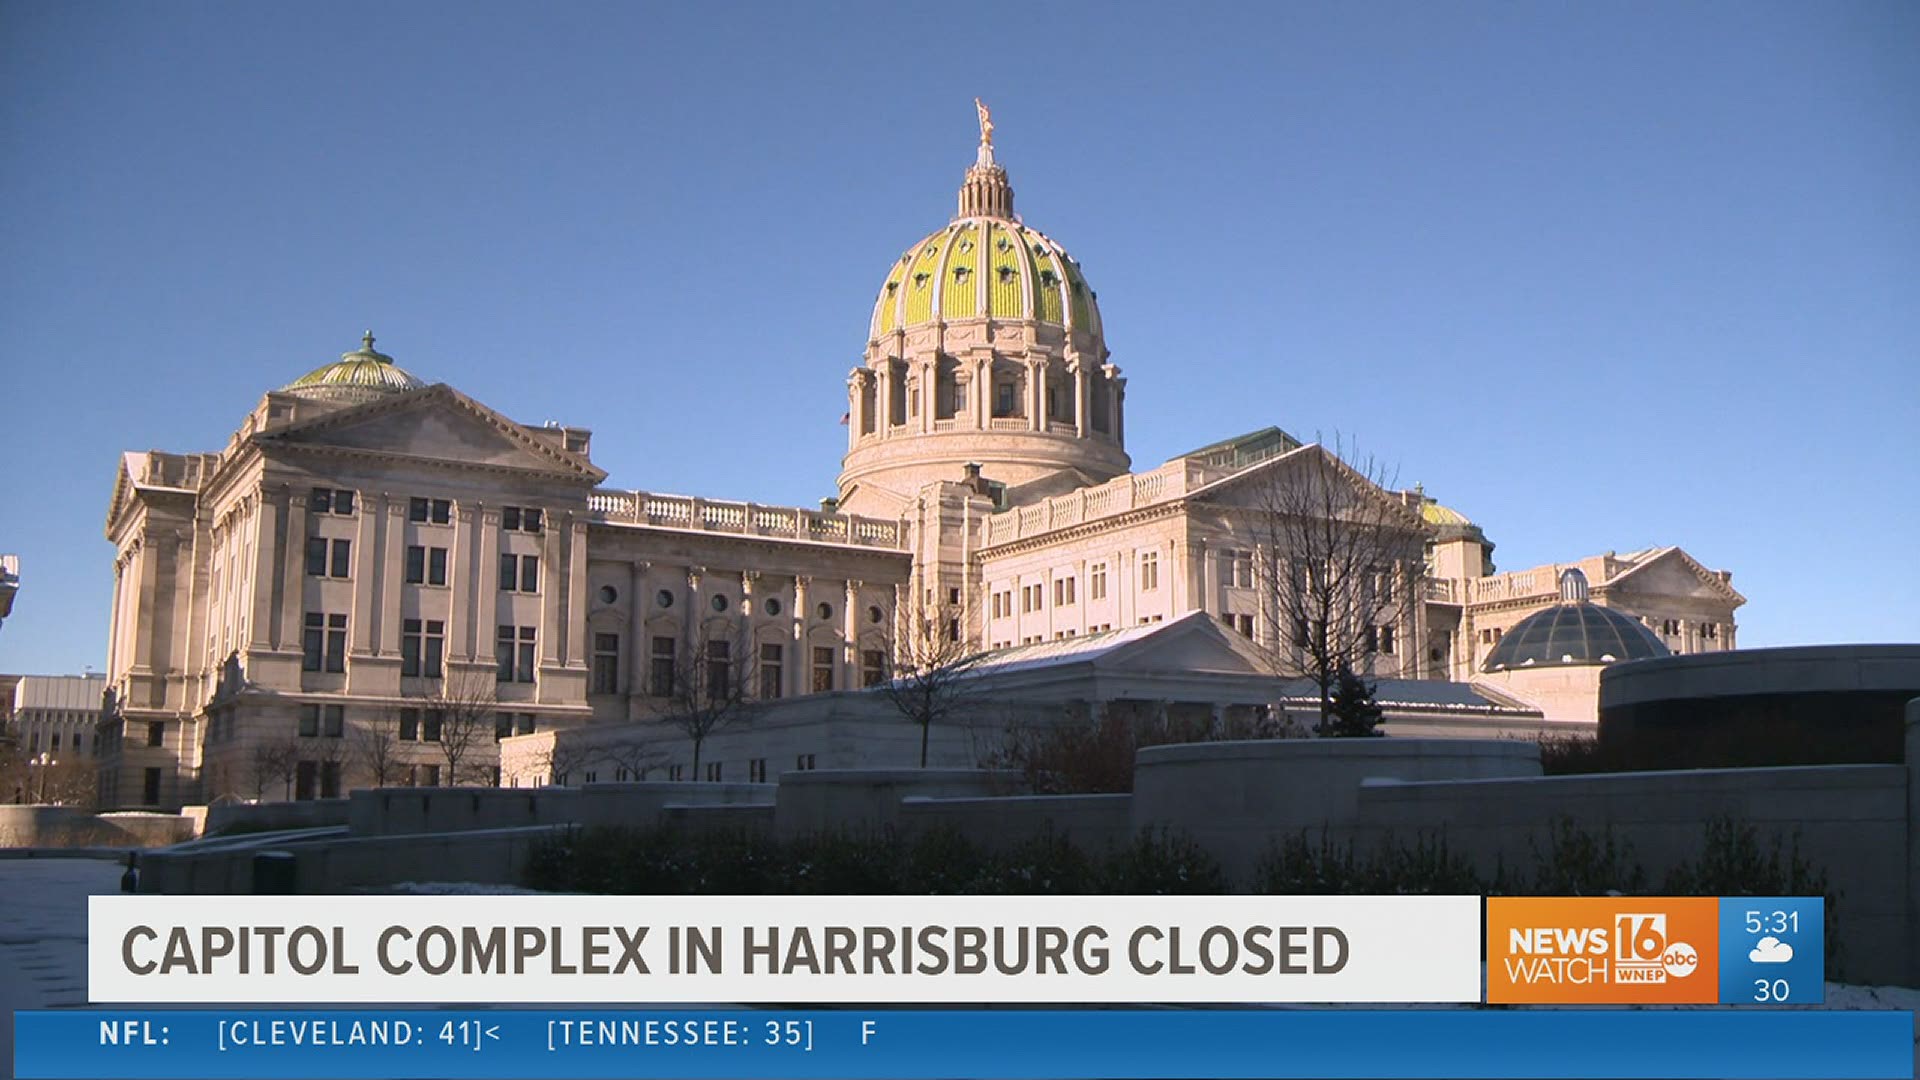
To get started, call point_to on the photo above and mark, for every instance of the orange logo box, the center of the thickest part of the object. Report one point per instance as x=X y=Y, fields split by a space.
x=1608 y=950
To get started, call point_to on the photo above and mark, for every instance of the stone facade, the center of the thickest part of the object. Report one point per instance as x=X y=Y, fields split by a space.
x=369 y=551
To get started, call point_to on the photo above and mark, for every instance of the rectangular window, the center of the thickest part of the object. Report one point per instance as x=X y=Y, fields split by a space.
x=803 y=762
x=1149 y=571
x=525 y=674
x=306 y=777
x=313 y=642
x=1003 y=400
x=529 y=573
x=1244 y=624
x=660 y=673
x=409 y=725
x=331 y=501
x=316 y=556
x=873 y=667
x=676 y=772
x=502 y=725
x=525 y=724
x=606 y=663
x=309 y=721
x=719 y=670
x=1386 y=639
x=416 y=562
x=430 y=776
x=713 y=771
x=520 y=518
x=430 y=724
x=150 y=787
x=329 y=779
x=757 y=770
x=822 y=669
x=342 y=564
x=437 y=566
x=336 y=650
x=509 y=572
x=1097 y=581
x=417 y=509
x=333 y=721
x=422 y=647
x=773 y=668
x=442 y=511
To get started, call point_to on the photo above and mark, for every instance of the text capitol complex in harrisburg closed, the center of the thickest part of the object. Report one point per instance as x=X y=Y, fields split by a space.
x=827 y=950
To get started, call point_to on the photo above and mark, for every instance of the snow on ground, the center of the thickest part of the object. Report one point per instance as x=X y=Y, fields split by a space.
x=454 y=888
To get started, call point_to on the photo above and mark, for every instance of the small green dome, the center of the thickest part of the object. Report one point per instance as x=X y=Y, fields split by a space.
x=1435 y=514
x=362 y=375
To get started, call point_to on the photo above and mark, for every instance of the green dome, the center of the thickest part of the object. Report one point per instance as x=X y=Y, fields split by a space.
x=357 y=376
x=985 y=268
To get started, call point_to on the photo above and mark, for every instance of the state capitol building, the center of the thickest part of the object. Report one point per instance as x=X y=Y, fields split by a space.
x=369 y=545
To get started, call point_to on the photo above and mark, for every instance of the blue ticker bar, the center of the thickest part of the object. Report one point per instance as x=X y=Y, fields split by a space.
x=989 y=1045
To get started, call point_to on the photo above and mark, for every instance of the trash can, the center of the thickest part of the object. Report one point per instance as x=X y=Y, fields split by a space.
x=273 y=873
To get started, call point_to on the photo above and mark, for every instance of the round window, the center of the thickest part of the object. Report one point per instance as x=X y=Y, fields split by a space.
x=874 y=615
x=664 y=598
x=825 y=611
x=773 y=607
x=719 y=603
x=608 y=594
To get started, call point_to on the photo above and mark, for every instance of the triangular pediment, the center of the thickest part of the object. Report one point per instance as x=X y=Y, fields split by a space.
x=437 y=423
x=1673 y=573
x=1196 y=642
x=1316 y=463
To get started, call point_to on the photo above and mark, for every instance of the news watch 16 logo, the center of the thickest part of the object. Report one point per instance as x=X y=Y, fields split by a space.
x=1603 y=950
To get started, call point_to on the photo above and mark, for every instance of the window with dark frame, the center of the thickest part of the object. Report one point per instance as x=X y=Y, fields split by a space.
x=772 y=669
x=822 y=669
x=606 y=663
x=660 y=666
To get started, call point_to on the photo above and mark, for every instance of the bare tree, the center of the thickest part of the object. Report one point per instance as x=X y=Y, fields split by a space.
x=459 y=720
x=376 y=748
x=1339 y=566
x=632 y=754
x=561 y=756
x=712 y=682
x=933 y=678
x=275 y=761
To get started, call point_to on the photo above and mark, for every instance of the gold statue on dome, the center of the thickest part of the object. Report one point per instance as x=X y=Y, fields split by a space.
x=986 y=123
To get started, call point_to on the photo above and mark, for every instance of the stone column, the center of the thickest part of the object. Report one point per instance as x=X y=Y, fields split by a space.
x=293 y=594
x=265 y=539
x=578 y=648
x=883 y=400
x=900 y=630
x=1037 y=395
x=484 y=580
x=929 y=392
x=850 y=628
x=1080 y=396
x=690 y=621
x=552 y=584
x=799 y=680
x=982 y=392
x=638 y=649
x=1118 y=398
x=362 y=620
x=856 y=405
x=461 y=592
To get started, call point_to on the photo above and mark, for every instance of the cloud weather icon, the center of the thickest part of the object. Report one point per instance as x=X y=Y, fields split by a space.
x=1771 y=950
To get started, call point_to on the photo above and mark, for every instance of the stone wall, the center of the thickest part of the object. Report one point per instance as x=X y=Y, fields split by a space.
x=1092 y=822
x=230 y=818
x=31 y=826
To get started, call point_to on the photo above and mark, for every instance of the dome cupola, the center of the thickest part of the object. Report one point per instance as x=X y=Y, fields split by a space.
x=985 y=345
x=359 y=376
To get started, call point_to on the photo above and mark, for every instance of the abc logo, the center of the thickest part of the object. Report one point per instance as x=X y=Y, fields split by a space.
x=1680 y=959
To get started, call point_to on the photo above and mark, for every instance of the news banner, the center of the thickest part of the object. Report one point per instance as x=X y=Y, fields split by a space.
x=907 y=987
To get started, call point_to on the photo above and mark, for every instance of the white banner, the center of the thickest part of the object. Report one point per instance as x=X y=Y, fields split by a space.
x=783 y=949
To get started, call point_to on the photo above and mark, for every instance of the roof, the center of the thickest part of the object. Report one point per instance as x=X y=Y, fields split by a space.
x=985 y=268
x=357 y=376
x=1579 y=632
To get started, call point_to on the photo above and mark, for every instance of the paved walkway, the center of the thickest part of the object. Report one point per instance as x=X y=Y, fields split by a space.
x=43 y=935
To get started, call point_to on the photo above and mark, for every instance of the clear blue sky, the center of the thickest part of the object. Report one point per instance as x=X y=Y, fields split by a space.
x=1600 y=276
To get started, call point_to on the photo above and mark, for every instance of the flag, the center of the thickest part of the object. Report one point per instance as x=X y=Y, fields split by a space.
x=845 y=418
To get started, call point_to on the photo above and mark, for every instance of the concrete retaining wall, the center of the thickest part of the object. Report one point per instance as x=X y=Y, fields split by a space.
x=1236 y=797
x=1092 y=822
x=231 y=818
x=860 y=800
